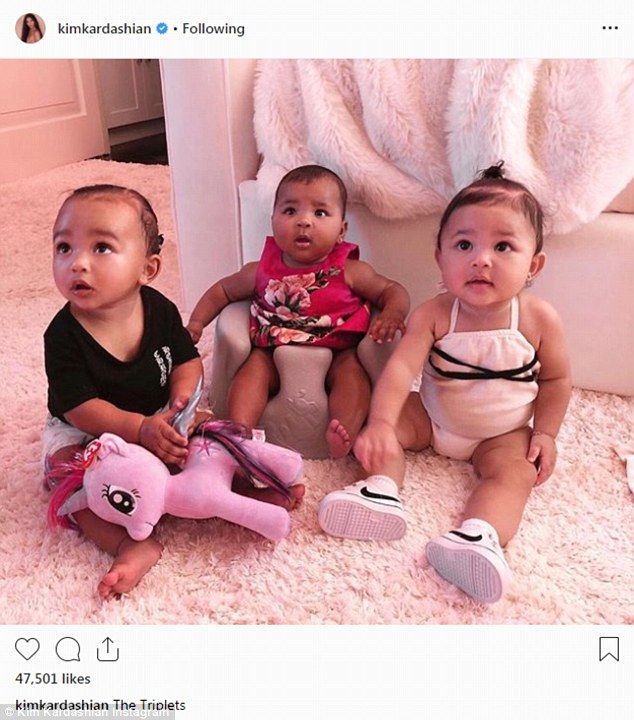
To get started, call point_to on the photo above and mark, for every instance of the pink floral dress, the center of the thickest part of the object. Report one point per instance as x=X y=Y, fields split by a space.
x=311 y=307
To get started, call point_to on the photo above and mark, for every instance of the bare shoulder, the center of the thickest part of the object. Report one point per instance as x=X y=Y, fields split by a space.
x=246 y=271
x=433 y=314
x=538 y=319
x=250 y=268
x=241 y=284
x=358 y=271
x=364 y=280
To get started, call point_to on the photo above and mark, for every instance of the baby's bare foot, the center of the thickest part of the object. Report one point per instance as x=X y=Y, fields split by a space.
x=243 y=486
x=132 y=562
x=338 y=440
x=273 y=497
x=297 y=495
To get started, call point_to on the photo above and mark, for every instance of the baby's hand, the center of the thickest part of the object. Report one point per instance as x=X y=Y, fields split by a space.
x=384 y=327
x=195 y=329
x=376 y=445
x=542 y=451
x=180 y=403
x=158 y=436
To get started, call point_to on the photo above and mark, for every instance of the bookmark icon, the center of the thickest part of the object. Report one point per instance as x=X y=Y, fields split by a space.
x=608 y=648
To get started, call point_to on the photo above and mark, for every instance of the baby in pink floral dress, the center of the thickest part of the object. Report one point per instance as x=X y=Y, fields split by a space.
x=308 y=288
x=307 y=308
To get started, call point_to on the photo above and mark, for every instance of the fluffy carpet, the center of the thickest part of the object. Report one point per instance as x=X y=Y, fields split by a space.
x=572 y=559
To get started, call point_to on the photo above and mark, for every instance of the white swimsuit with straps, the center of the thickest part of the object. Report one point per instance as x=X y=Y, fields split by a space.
x=478 y=384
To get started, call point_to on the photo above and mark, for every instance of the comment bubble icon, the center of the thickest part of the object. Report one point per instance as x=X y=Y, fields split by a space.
x=67 y=649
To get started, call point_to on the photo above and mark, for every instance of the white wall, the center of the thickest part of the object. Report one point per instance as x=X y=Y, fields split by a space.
x=209 y=125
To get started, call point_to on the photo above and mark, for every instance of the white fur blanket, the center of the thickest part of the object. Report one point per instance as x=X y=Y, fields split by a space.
x=405 y=135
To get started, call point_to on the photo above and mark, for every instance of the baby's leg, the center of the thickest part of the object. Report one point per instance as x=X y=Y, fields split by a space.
x=243 y=486
x=413 y=432
x=371 y=509
x=349 y=392
x=132 y=559
x=253 y=384
x=471 y=557
x=507 y=479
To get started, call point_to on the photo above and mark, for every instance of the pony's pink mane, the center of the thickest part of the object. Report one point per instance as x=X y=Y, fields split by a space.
x=67 y=478
x=230 y=436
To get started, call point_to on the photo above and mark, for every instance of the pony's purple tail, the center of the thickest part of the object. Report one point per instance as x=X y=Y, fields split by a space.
x=230 y=436
x=65 y=478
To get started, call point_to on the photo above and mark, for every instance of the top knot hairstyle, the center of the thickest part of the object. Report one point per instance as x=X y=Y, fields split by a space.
x=309 y=173
x=492 y=188
x=153 y=239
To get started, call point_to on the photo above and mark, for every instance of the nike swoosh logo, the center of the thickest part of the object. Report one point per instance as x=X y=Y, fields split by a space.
x=464 y=536
x=376 y=496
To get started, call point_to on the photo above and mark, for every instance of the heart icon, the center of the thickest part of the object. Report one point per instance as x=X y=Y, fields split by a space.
x=27 y=647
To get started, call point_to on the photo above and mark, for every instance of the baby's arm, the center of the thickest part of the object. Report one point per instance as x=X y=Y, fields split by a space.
x=388 y=295
x=554 y=390
x=157 y=431
x=391 y=391
x=238 y=286
x=154 y=432
x=183 y=381
x=97 y=416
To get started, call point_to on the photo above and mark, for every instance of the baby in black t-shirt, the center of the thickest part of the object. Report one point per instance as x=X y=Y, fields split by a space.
x=117 y=353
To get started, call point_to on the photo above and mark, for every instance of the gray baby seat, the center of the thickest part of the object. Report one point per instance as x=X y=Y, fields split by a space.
x=297 y=416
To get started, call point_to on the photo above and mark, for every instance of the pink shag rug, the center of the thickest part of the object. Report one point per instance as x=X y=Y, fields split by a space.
x=572 y=559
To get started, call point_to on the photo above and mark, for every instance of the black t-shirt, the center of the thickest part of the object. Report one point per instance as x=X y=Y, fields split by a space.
x=80 y=369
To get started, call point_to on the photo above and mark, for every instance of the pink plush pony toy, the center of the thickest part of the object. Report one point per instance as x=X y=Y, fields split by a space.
x=127 y=485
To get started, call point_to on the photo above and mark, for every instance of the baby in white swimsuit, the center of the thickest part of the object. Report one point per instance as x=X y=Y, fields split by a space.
x=482 y=383
x=464 y=406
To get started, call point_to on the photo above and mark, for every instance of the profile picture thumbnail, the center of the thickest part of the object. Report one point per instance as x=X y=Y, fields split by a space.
x=30 y=28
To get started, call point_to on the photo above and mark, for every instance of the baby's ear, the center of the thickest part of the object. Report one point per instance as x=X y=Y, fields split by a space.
x=537 y=265
x=344 y=230
x=151 y=269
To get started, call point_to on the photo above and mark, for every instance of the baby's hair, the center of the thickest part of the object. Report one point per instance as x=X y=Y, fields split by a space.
x=492 y=188
x=309 y=173
x=153 y=239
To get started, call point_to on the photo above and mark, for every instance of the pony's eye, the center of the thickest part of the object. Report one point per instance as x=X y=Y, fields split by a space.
x=121 y=500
